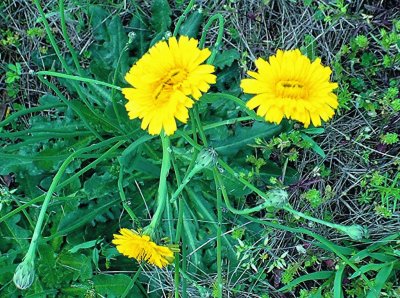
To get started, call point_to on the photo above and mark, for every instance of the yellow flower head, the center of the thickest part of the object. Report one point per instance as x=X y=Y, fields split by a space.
x=165 y=81
x=140 y=247
x=290 y=85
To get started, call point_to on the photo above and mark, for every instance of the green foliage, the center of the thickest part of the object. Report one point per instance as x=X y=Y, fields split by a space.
x=13 y=76
x=75 y=256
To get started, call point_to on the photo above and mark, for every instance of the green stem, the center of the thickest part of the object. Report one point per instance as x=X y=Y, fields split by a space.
x=179 y=226
x=183 y=17
x=162 y=187
x=76 y=78
x=218 y=17
x=185 y=181
x=195 y=113
x=125 y=204
x=67 y=40
x=228 y=203
x=327 y=243
x=34 y=241
x=219 y=236
x=65 y=101
x=290 y=209
x=51 y=37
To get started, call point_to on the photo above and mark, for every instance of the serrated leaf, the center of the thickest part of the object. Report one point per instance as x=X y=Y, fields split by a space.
x=226 y=58
x=100 y=185
x=78 y=264
x=111 y=285
x=161 y=15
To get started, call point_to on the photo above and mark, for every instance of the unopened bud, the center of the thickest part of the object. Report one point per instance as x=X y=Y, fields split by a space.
x=24 y=274
x=276 y=198
x=207 y=158
x=355 y=232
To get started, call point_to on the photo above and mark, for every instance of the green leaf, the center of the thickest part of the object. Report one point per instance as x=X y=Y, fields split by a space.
x=129 y=154
x=161 y=15
x=80 y=217
x=367 y=268
x=100 y=185
x=111 y=285
x=79 y=264
x=315 y=147
x=245 y=135
x=380 y=281
x=83 y=245
x=337 y=284
x=307 y=277
x=226 y=58
x=97 y=20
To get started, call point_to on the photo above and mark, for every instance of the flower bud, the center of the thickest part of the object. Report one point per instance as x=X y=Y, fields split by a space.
x=276 y=198
x=355 y=232
x=207 y=158
x=24 y=274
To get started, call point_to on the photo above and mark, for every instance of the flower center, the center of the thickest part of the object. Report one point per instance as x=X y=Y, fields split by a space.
x=291 y=89
x=172 y=81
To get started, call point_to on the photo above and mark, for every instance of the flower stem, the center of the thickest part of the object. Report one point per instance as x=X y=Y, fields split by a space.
x=125 y=204
x=66 y=38
x=183 y=16
x=178 y=232
x=34 y=241
x=219 y=236
x=217 y=17
x=355 y=232
x=162 y=187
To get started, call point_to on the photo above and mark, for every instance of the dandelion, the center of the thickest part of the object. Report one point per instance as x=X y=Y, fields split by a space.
x=165 y=82
x=140 y=247
x=290 y=85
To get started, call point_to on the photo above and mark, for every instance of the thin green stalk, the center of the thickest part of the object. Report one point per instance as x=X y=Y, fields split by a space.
x=196 y=116
x=30 y=255
x=162 y=187
x=183 y=17
x=51 y=37
x=185 y=181
x=217 y=17
x=67 y=40
x=125 y=204
x=317 y=237
x=179 y=227
x=228 y=203
x=219 y=236
x=76 y=78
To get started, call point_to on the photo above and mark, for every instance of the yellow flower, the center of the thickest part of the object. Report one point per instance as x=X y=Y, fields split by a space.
x=165 y=81
x=141 y=248
x=290 y=85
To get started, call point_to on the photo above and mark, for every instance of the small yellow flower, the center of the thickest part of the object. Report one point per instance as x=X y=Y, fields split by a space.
x=140 y=247
x=165 y=81
x=290 y=85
